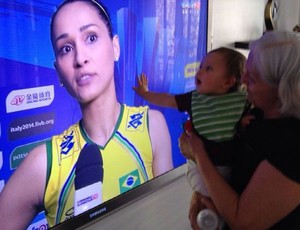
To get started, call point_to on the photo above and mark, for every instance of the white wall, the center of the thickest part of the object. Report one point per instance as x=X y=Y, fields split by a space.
x=289 y=15
x=243 y=20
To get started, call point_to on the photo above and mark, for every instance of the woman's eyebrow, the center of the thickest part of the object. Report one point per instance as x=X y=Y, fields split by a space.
x=82 y=28
x=64 y=35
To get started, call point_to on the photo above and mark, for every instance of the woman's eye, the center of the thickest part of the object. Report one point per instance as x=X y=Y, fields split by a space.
x=65 y=49
x=91 y=38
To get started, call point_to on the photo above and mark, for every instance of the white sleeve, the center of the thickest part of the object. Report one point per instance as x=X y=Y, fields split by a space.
x=195 y=180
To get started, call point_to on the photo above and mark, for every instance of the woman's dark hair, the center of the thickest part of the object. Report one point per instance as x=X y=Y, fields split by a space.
x=102 y=11
x=235 y=62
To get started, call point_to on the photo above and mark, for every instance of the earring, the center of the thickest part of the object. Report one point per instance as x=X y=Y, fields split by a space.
x=61 y=84
x=116 y=58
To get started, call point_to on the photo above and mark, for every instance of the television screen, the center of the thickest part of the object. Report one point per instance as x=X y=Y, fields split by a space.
x=163 y=39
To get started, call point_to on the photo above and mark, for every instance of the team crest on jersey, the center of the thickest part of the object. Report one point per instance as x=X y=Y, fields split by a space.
x=129 y=181
x=67 y=143
x=135 y=121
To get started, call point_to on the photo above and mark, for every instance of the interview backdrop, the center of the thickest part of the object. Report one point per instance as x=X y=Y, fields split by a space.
x=165 y=39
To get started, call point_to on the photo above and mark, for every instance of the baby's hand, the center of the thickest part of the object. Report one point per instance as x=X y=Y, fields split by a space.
x=246 y=120
x=142 y=85
x=184 y=146
x=188 y=126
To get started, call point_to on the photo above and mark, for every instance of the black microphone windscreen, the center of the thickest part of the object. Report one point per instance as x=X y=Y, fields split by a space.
x=89 y=167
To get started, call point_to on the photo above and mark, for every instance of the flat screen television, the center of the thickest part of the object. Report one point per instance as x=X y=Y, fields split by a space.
x=164 y=39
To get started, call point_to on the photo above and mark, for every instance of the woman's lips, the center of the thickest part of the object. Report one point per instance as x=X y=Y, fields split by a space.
x=84 y=79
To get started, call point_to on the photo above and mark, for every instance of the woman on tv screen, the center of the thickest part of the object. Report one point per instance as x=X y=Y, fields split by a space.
x=133 y=144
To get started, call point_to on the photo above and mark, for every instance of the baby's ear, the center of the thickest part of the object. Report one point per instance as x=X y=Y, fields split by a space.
x=229 y=82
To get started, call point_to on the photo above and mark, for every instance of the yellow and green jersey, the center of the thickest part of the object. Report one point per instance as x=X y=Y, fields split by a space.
x=127 y=162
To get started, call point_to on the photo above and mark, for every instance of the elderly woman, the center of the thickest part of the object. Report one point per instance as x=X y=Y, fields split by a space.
x=265 y=189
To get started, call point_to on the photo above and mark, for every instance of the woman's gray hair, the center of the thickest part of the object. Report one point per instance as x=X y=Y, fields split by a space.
x=277 y=60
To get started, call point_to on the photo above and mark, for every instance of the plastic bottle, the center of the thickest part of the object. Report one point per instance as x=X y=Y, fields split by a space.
x=207 y=220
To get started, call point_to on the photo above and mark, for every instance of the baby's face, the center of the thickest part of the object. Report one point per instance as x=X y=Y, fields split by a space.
x=212 y=75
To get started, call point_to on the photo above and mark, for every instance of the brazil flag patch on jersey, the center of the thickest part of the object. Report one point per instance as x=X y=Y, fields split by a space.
x=129 y=181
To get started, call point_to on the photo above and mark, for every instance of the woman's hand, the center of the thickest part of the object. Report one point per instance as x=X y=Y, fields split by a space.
x=142 y=85
x=198 y=203
x=190 y=144
x=195 y=207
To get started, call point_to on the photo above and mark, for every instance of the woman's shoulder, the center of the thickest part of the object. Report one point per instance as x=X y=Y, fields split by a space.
x=72 y=129
x=125 y=108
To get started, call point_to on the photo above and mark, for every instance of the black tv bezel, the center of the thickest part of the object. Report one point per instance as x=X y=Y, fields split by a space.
x=111 y=206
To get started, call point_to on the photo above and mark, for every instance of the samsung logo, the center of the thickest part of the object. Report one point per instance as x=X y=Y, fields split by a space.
x=98 y=212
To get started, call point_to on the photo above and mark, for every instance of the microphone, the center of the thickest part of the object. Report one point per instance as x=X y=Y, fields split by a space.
x=88 y=179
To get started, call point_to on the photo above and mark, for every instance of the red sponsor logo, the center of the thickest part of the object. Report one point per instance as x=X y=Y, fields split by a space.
x=17 y=100
x=95 y=196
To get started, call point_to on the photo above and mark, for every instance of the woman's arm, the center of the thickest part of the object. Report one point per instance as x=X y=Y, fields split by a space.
x=161 y=143
x=22 y=197
x=269 y=196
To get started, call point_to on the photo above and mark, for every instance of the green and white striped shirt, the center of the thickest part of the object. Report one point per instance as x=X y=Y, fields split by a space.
x=215 y=117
